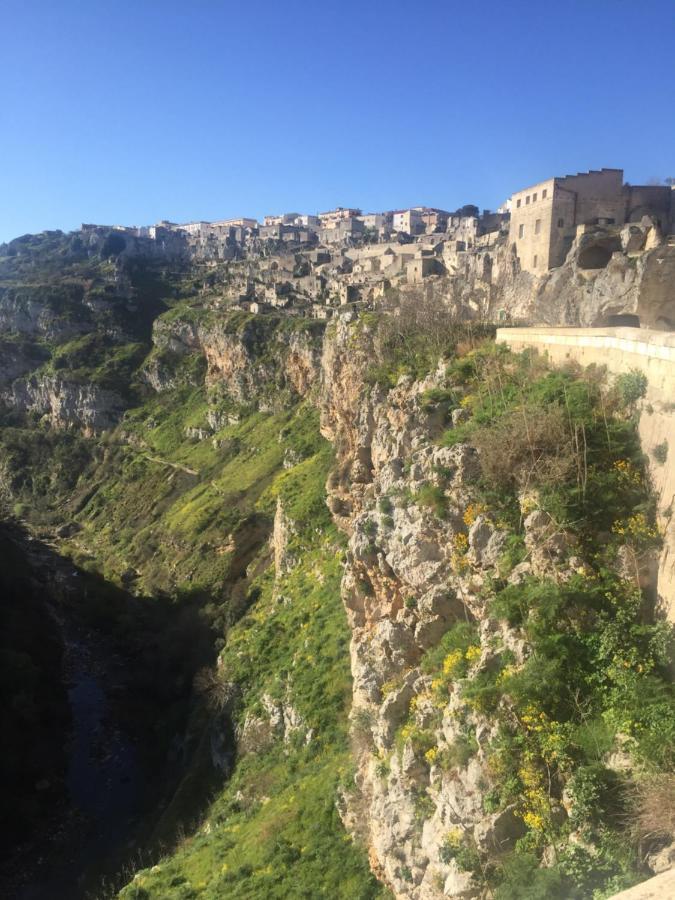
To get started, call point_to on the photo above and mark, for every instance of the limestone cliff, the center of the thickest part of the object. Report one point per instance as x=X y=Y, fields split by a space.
x=608 y=272
x=424 y=555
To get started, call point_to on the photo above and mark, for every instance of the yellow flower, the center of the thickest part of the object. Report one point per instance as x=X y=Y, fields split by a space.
x=454 y=838
x=431 y=755
x=461 y=542
x=473 y=653
x=452 y=662
x=472 y=512
x=534 y=821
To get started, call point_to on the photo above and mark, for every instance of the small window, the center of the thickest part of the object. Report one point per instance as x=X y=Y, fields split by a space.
x=561 y=223
x=534 y=261
x=537 y=226
x=544 y=193
x=518 y=202
x=534 y=198
x=521 y=231
x=527 y=200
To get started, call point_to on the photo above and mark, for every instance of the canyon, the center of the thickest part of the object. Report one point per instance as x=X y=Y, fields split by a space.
x=394 y=593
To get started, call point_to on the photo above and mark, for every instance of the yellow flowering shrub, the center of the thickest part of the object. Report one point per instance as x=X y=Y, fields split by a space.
x=473 y=654
x=460 y=544
x=454 y=837
x=431 y=755
x=628 y=474
x=472 y=512
x=452 y=662
x=636 y=528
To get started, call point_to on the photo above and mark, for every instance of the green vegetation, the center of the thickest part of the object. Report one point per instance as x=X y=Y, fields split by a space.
x=177 y=504
x=414 y=340
x=660 y=452
x=273 y=829
x=597 y=672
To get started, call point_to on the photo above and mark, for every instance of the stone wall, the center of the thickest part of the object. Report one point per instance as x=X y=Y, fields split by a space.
x=622 y=350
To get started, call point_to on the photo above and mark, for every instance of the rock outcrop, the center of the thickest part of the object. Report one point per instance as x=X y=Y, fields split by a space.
x=410 y=574
x=63 y=404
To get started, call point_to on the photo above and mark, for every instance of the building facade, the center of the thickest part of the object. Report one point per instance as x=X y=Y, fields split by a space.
x=545 y=217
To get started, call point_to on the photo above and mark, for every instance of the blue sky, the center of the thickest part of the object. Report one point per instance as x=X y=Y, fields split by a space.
x=128 y=112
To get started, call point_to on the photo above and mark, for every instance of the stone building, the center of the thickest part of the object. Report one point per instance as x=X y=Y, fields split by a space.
x=335 y=216
x=434 y=219
x=408 y=221
x=341 y=230
x=545 y=217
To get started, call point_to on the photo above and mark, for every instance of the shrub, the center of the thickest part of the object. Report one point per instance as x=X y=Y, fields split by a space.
x=528 y=446
x=595 y=793
x=522 y=879
x=430 y=496
x=631 y=386
x=385 y=505
x=660 y=452
x=458 y=754
x=461 y=636
x=653 y=807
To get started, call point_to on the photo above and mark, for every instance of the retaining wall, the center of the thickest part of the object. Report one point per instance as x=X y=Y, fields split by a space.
x=621 y=350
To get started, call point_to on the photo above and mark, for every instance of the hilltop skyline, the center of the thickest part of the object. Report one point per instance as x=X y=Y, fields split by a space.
x=144 y=113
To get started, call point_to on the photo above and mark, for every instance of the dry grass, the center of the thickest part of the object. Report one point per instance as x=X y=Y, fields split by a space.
x=527 y=447
x=653 y=808
x=213 y=687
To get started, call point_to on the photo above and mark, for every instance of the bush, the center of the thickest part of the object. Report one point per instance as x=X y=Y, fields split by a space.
x=461 y=636
x=527 y=446
x=653 y=807
x=522 y=879
x=458 y=754
x=660 y=452
x=430 y=496
x=631 y=386
x=595 y=792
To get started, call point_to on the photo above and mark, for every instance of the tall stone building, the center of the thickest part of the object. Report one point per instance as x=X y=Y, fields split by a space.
x=545 y=217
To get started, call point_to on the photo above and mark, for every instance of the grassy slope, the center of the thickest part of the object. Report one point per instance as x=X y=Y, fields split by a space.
x=274 y=829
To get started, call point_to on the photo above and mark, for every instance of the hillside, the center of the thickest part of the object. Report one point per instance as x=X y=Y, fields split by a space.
x=383 y=590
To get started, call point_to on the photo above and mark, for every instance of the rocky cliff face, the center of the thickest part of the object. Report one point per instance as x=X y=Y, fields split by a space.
x=264 y=363
x=61 y=404
x=403 y=588
x=425 y=764
x=608 y=272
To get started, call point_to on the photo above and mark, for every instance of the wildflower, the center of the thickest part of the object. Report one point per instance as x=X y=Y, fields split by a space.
x=472 y=512
x=454 y=838
x=533 y=821
x=473 y=653
x=452 y=662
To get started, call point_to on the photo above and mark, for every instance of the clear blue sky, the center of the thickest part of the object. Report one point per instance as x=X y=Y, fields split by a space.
x=127 y=112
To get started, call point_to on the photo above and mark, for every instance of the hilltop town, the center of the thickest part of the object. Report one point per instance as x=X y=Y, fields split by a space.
x=493 y=264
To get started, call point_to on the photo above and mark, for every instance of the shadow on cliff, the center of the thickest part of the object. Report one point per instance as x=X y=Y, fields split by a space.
x=124 y=763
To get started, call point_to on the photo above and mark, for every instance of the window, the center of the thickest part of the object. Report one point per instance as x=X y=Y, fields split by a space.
x=521 y=230
x=544 y=193
x=561 y=223
x=527 y=200
x=518 y=204
x=534 y=198
x=534 y=261
x=537 y=226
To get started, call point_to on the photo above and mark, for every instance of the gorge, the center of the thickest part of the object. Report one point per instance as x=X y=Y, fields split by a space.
x=356 y=607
